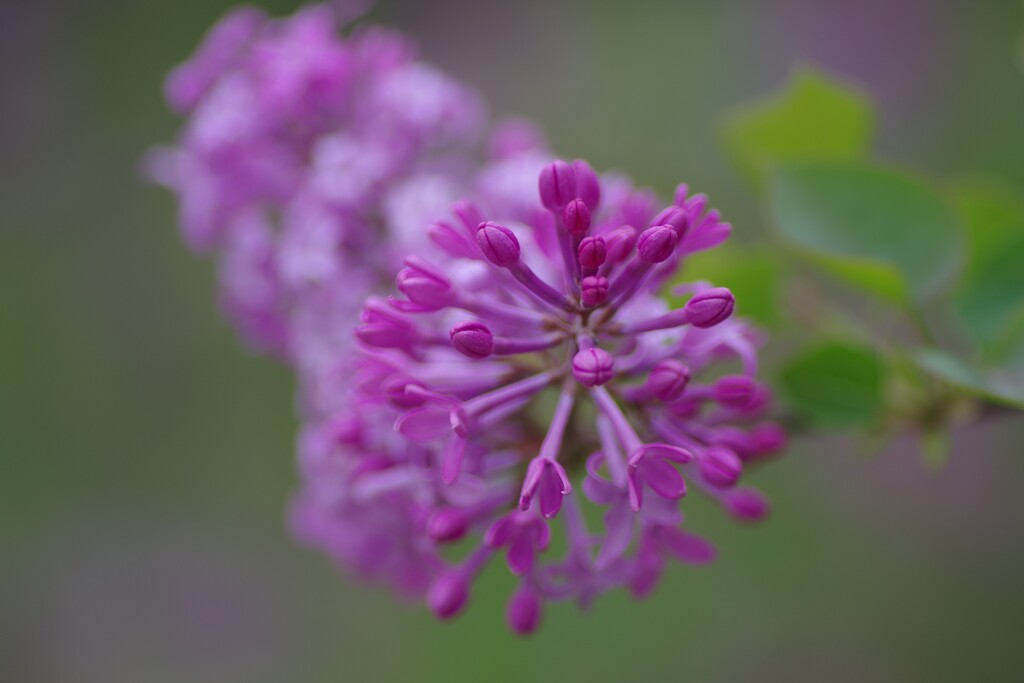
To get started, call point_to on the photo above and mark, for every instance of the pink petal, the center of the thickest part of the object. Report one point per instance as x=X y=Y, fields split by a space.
x=600 y=491
x=451 y=460
x=424 y=424
x=663 y=478
x=597 y=488
x=636 y=490
x=533 y=474
x=565 y=486
x=619 y=524
x=543 y=535
x=666 y=451
x=520 y=554
x=550 y=494
x=500 y=532
x=686 y=546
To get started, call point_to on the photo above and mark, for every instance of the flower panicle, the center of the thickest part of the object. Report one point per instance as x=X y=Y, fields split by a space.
x=529 y=368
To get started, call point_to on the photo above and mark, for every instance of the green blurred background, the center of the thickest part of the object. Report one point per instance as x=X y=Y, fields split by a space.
x=145 y=458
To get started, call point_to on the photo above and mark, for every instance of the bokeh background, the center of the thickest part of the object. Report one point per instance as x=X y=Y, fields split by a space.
x=146 y=459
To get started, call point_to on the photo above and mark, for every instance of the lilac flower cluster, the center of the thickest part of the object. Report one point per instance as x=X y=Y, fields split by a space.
x=530 y=368
x=531 y=364
x=305 y=157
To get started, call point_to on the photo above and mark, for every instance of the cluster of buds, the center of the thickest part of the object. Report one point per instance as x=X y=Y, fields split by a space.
x=530 y=368
x=533 y=368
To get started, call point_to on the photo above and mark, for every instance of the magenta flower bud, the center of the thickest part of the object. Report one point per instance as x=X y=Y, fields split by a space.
x=593 y=290
x=523 y=613
x=657 y=244
x=769 y=438
x=735 y=391
x=557 y=185
x=759 y=401
x=447 y=524
x=425 y=288
x=668 y=379
x=576 y=217
x=735 y=439
x=588 y=187
x=710 y=307
x=448 y=594
x=676 y=217
x=396 y=392
x=592 y=252
x=498 y=243
x=621 y=241
x=720 y=467
x=747 y=505
x=472 y=339
x=593 y=367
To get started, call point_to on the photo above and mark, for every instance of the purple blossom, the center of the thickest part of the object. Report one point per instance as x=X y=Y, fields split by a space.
x=529 y=361
x=304 y=158
x=527 y=356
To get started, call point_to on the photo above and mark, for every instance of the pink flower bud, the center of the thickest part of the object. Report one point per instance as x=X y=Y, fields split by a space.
x=472 y=339
x=592 y=252
x=769 y=438
x=523 y=613
x=621 y=241
x=675 y=217
x=557 y=185
x=498 y=243
x=424 y=287
x=747 y=505
x=668 y=379
x=657 y=244
x=588 y=187
x=720 y=467
x=576 y=217
x=735 y=391
x=593 y=367
x=447 y=524
x=710 y=307
x=593 y=290
x=448 y=594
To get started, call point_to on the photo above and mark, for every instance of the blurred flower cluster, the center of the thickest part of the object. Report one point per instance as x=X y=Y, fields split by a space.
x=305 y=158
x=526 y=368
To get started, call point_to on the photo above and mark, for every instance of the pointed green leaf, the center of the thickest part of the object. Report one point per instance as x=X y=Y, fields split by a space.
x=814 y=118
x=991 y=293
x=872 y=226
x=835 y=384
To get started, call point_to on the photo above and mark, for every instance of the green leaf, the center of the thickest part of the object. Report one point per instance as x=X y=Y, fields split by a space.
x=1001 y=385
x=813 y=119
x=991 y=293
x=836 y=384
x=884 y=230
x=751 y=274
x=1007 y=351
